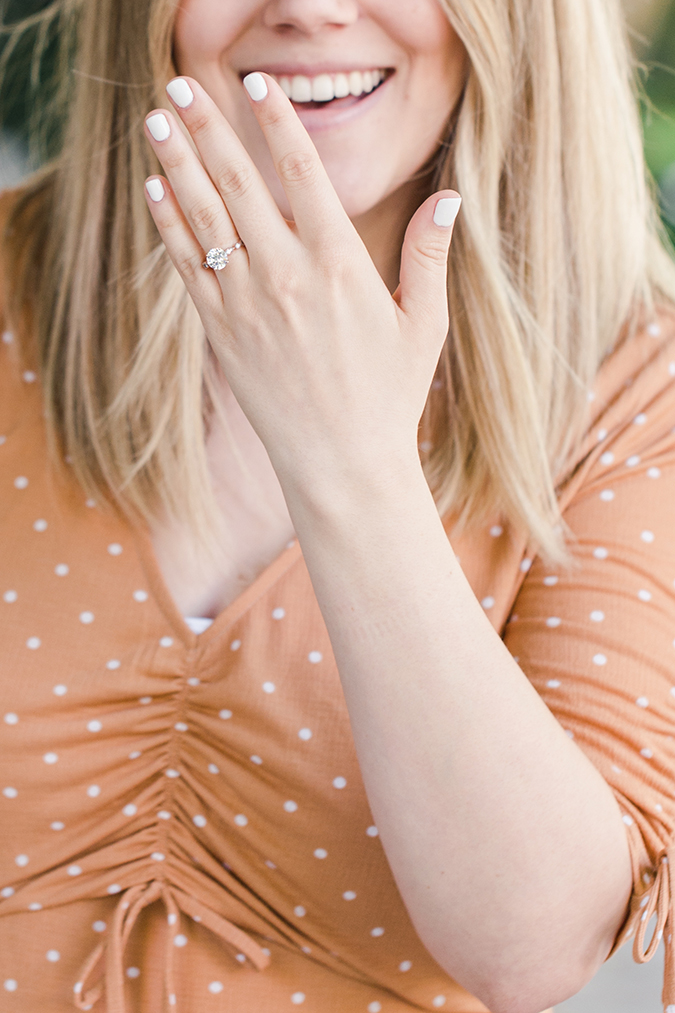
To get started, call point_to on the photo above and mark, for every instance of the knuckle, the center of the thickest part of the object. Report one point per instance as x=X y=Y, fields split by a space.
x=433 y=254
x=297 y=167
x=189 y=266
x=234 y=180
x=199 y=122
x=275 y=117
x=334 y=260
x=205 y=217
x=173 y=158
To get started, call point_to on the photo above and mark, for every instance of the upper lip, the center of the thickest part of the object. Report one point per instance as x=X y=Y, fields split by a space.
x=314 y=69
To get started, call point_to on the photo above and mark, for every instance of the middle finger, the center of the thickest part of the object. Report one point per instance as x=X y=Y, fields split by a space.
x=228 y=165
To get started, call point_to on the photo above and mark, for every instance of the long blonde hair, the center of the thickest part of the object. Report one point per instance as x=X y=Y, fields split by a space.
x=557 y=253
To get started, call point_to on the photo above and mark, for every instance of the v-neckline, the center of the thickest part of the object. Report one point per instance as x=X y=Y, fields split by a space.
x=231 y=613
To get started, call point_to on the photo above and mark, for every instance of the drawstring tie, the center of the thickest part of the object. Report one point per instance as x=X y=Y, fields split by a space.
x=111 y=952
x=662 y=901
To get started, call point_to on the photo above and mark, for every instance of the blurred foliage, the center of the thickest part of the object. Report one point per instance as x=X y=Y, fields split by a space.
x=28 y=80
x=27 y=66
x=659 y=113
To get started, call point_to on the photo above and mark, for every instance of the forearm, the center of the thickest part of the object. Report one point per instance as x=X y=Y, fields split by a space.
x=506 y=843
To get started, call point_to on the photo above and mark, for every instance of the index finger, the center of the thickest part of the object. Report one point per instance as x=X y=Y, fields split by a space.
x=316 y=207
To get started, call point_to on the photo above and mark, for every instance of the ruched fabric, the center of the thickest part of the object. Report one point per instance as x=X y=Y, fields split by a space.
x=183 y=825
x=111 y=952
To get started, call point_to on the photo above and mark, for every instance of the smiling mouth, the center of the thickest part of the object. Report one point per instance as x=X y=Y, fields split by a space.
x=326 y=89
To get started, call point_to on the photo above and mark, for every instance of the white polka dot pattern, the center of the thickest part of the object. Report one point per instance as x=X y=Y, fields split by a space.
x=611 y=689
x=229 y=761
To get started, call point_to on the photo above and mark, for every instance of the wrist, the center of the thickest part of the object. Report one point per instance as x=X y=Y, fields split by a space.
x=340 y=494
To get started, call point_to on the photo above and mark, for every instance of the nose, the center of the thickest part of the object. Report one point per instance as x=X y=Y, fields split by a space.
x=310 y=16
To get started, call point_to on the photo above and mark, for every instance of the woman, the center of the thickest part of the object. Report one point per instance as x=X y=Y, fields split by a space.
x=265 y=743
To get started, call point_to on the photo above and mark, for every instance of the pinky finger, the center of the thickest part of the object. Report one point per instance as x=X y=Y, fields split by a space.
x=182 y=246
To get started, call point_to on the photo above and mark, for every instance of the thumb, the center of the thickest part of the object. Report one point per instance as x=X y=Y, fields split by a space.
x=422 y=292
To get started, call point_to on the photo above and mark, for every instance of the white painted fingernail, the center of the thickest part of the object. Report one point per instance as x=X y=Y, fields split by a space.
x=158 y=125
x=181 y=92
x=446 y=211
x=256 y=86
x=155 y=190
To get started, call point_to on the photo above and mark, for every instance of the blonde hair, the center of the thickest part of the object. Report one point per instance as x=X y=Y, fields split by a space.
x=557 y=254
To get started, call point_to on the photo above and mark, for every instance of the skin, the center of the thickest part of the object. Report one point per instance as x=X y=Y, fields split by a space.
x=332 y=373
x=216 y=43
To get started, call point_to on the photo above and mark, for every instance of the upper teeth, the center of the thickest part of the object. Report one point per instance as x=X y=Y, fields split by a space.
x=326 y=87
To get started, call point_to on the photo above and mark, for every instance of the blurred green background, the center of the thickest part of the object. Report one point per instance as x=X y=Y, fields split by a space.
x=652 y=27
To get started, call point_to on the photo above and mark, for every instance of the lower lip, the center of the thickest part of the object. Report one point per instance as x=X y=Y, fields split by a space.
x=334 y=114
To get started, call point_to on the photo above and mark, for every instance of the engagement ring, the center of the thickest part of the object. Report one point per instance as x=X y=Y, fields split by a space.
x=217 y=259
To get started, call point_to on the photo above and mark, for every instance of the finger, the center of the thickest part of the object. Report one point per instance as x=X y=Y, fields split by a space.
x=182 y=245
x=231 y=169
x=316 y=207
x=198 y=198
x=423 y=292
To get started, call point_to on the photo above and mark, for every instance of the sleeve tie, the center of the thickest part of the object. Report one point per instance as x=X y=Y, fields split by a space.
x=660 y=900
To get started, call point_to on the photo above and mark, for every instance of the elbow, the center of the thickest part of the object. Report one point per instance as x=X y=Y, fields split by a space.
x=517 y=972
x=533 y=990
x=526 y=999
x=538 y=987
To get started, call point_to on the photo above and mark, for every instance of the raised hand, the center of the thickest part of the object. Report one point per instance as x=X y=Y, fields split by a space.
x=331 y=370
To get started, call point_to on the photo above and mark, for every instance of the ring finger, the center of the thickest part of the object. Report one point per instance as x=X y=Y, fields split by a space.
x=183 y=248
x=199 y=200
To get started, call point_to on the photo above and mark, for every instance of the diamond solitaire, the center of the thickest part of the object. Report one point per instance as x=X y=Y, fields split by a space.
x=217 y=259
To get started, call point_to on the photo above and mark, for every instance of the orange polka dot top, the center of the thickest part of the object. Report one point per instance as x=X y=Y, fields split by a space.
x=183 y=825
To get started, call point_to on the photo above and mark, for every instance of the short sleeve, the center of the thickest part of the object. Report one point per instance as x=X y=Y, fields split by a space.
x=597 y=641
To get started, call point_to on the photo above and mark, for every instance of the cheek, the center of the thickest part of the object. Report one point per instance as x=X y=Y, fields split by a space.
x=420 y=27
x=437 y=60
x=204 y=30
